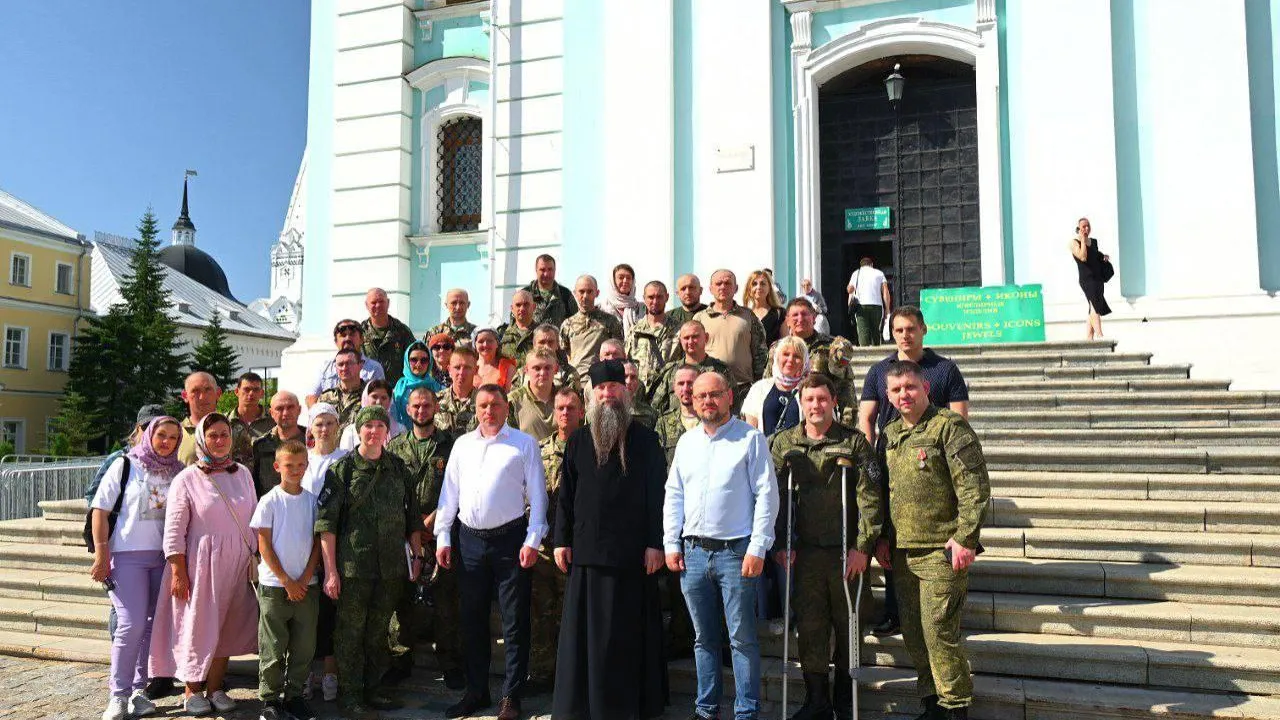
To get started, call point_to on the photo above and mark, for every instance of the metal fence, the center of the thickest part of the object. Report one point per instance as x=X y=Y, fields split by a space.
x=27 y=480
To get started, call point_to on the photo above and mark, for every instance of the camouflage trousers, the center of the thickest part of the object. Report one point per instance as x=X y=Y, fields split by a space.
x=930 y=598
x=413 y=620
x=820 y=609
x=546 y=605
x=360 y=638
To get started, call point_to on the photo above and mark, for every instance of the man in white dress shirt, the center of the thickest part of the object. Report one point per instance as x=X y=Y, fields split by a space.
x=494 y=471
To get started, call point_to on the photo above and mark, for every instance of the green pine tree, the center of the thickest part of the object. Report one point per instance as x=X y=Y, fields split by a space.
x=214 y=354
x=74 y=427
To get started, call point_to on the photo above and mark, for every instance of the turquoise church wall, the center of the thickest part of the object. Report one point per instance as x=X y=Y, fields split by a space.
x=583 y=146
x=685 y=108
x=784 y=158
x=464 y=266
x=1126 y=34
x=315 y=291
x=455 y=37
x=1262 y=26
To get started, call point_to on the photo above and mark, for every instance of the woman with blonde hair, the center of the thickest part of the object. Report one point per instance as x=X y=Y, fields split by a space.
x=773 y=403
x=759 y=296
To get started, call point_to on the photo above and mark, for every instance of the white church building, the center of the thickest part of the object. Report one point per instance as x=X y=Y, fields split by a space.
x=450 y=143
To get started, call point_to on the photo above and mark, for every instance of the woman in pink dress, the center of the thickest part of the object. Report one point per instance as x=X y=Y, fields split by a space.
x=207 y=611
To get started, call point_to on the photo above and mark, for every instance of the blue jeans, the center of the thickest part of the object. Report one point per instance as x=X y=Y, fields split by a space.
x=710 y=579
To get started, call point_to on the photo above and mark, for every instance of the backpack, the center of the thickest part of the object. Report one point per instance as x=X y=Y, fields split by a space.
x=115 y=511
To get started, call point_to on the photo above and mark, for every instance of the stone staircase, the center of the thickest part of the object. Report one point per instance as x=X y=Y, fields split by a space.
x=1132 y=565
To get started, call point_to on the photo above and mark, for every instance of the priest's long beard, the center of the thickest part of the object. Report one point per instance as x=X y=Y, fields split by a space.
x=609 y=422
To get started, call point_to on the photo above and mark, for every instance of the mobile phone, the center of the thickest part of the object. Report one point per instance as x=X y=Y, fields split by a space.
x=109 y=584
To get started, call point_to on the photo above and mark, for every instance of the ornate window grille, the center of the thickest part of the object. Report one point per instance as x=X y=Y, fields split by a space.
x=458 y=193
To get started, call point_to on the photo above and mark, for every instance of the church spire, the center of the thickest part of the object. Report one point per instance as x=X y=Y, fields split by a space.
x=184 y=231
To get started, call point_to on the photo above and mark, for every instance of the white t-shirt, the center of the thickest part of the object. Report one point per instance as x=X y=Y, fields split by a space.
x=313 y=481
x=292 y=520
x=140 y=525
x=866 y=282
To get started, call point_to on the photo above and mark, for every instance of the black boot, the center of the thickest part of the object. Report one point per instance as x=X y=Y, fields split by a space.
x=931 y=709
x=817 y=703
x=960 y=713
x=842 y=695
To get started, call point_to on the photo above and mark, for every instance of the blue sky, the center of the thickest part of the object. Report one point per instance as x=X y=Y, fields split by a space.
x=107 y=103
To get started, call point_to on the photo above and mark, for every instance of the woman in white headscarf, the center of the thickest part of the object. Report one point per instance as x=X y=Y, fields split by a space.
x=621 y=302
x=772 y=404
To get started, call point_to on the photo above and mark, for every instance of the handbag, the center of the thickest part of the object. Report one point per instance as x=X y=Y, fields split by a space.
x=854 y=302
x=252 y=572
x=1108 y=271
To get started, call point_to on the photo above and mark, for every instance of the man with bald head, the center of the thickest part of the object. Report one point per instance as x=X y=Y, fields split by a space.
x=457 y=302
x=385 y=337
x=689 y=292
x=582 y=335
x=734 y=334
x=719 y=510
x=200 y=392
x=693 y=343
x=516 y=337
x=284 y=410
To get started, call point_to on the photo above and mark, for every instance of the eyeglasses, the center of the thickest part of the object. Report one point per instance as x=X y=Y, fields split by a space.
x=710 y=395
x=348 y=329
x=441 y=347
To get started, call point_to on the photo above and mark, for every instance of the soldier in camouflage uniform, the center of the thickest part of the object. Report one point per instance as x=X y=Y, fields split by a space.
x=547 y=337
x=641 y=411
x=285 y=410
x=457 y=412
x=553 y=301
x=515 y=338
x=249 y=394
x=828 y=356
x=366 y=512
x=653 y=341
x=425 y=451
x=669 y=428
x=547 y=598
x=938 y=492
x=689 y=291
x=346 y=395
x=819 y=556
x=385 y=337
x=456 y=326
x=693 y=341
x=582 y=334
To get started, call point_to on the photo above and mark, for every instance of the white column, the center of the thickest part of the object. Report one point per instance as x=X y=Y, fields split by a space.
x=1196 y=149
x=1063 y=127
x=990 y=200
x=372 y=155
x=806 y=166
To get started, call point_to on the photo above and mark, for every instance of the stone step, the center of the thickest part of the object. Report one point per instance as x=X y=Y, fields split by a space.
x=877 y=352
x=75 y=587
x=41 y=531
x=45 y=617
x=64 y=510
x=1175 y=436
x=1188 y=516
x=1237 y=549
x=1130 y=459
x=44 y=557
x=1124 y=418
x=1042 y=358
x=1136 y=486
x=1135 y=370
x=1143 y=399
x=1115 y=385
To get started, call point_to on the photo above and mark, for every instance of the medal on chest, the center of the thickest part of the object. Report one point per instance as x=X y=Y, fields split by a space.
x=921 y=457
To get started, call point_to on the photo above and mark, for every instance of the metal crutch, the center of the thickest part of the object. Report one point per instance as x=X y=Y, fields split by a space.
x=854 y=606
x=788 y=461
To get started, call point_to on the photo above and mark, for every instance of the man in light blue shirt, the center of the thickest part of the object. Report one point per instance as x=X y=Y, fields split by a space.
x=718 y=513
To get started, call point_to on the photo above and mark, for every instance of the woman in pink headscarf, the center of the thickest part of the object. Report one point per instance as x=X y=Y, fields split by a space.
x=207 y=611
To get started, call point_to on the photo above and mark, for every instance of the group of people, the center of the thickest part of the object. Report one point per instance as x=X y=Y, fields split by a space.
x=620 y=478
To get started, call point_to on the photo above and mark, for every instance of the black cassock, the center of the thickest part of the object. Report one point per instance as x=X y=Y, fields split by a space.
x=610 y=663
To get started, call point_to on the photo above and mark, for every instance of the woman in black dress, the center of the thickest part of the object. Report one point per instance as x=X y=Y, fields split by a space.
x=1090 y=263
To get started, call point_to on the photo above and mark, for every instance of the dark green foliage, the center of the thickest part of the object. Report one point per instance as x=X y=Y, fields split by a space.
x=214 y=354
x=74 y=427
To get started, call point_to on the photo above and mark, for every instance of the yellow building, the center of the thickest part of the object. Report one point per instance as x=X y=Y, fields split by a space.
x=44 y=295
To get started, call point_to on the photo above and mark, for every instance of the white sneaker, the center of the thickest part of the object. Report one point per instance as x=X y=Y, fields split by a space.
x=117 y=708
x=222 y=702
x=197 y=705
x=309 y=687
x=329 y=687
x=140 y=705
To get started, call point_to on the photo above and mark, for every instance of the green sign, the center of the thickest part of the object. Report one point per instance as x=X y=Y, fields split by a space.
x=967 y=316
x=872 y=218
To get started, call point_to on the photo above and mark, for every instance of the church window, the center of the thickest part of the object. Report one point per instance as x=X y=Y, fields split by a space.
x=459 y=165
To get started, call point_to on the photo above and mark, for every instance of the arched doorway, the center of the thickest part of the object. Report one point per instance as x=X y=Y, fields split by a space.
x=919 y=159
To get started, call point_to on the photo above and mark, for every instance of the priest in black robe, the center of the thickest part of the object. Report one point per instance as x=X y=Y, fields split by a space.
x=608 y=537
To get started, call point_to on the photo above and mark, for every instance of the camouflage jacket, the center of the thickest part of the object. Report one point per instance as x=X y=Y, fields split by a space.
x=643 y=413
x=662 y=396
x=670 y=427
x=459 y=333
x=552 y=449
x=551 y=306
x=682 y=315
x=831 y=356
x=262 y=459
x=425 y=460
x=582 y=334
x=371 y=507
x=938 y=483
x=817 y=483
x=456 y=415
x=564 y=377
x=652 y=346
x=387 y=346
x=253 y=430
x=346 y=403
x=515 y=343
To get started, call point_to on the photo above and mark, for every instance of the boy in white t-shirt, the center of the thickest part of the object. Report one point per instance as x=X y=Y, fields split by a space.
x=288 y=596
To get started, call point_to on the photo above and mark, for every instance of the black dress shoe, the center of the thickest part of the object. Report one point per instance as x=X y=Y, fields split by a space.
x=455 y=679
x=159 y=687
x=468 y=705
x=887 y=627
